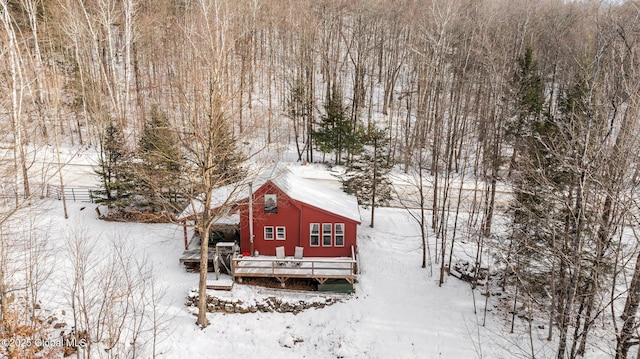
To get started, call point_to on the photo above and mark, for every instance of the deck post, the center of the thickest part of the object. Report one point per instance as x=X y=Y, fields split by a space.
x=184 y=230
x=283 y=281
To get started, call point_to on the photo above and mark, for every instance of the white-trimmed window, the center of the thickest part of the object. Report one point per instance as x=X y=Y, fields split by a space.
x=268 y=233
x=315 y=234
x=339 y=230
x=326 y=234
x=281 y=233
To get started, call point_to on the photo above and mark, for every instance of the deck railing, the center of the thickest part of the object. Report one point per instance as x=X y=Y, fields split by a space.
x=316 y=268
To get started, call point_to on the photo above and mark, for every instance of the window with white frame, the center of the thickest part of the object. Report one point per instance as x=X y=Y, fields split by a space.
x=268 y=233
x=339 y=230
x=281 y=233
x=315 y=234
x=326 y=234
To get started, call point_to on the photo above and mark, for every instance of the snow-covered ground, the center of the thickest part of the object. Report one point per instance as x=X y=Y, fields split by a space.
x=397 y=310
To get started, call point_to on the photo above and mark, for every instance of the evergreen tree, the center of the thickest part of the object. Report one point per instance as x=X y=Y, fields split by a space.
x=543 y=169
x=228 y=164
x=534 y=208
x=530 y=88
x=223 y=162
x=114 y=169
x=335 y=131
x=555 y=239
x=159 y=172
x=529 y=100
x=527 y=128
x=367 y=176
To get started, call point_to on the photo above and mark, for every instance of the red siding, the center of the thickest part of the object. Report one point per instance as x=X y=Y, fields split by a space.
x=315 y=215
x=288 y=216
x=296 y=217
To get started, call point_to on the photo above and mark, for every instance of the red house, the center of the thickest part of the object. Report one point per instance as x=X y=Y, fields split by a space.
x=288 y=211
x=292 y=212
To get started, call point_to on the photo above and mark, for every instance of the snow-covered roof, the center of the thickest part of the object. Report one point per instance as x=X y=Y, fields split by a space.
x=231 y=217
x=318 y=195
x=298 y=188
x=220 y=197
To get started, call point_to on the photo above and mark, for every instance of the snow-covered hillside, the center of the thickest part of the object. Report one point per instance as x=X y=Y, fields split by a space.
x=397 y=310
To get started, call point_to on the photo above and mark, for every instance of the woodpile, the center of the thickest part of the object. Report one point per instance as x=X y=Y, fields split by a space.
x=139 y=217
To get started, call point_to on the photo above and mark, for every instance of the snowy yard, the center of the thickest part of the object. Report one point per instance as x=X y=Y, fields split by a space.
x=495 y=141
x=397 y=310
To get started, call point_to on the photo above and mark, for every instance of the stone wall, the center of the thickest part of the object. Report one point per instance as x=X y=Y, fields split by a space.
x=266 y=305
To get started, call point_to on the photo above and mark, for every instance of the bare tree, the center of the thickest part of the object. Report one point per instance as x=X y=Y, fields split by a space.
x=205 y=128
x=418 y=191
x=17 y=84
x=114 y=297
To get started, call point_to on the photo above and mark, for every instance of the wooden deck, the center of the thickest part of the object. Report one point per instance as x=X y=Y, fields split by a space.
x=191 y=259
x=320 y=269
x=223 y=250
x=224 y=283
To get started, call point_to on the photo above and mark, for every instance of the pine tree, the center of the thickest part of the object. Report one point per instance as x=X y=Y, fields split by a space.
x=159 y=172
x=534 y=209
x=585 y=176
x=367 y=176
x=114 y=169
x=529 y=100
x=527 y=127
x=335 y=131
x=555 y=241
x=228 y=164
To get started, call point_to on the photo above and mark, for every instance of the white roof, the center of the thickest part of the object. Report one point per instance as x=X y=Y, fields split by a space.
x=298 y=188
x=318 y=195
x=220 y=197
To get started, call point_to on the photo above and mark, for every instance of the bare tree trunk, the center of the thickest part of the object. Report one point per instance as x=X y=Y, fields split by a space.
x=60 y=178
x=576 y=259
x=204 y=228
x=4 y=302
x=624 y=339
x=17 y=87
x=374 y=184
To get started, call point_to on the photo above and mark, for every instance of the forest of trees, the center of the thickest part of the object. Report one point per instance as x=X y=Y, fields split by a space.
x=537 y=96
